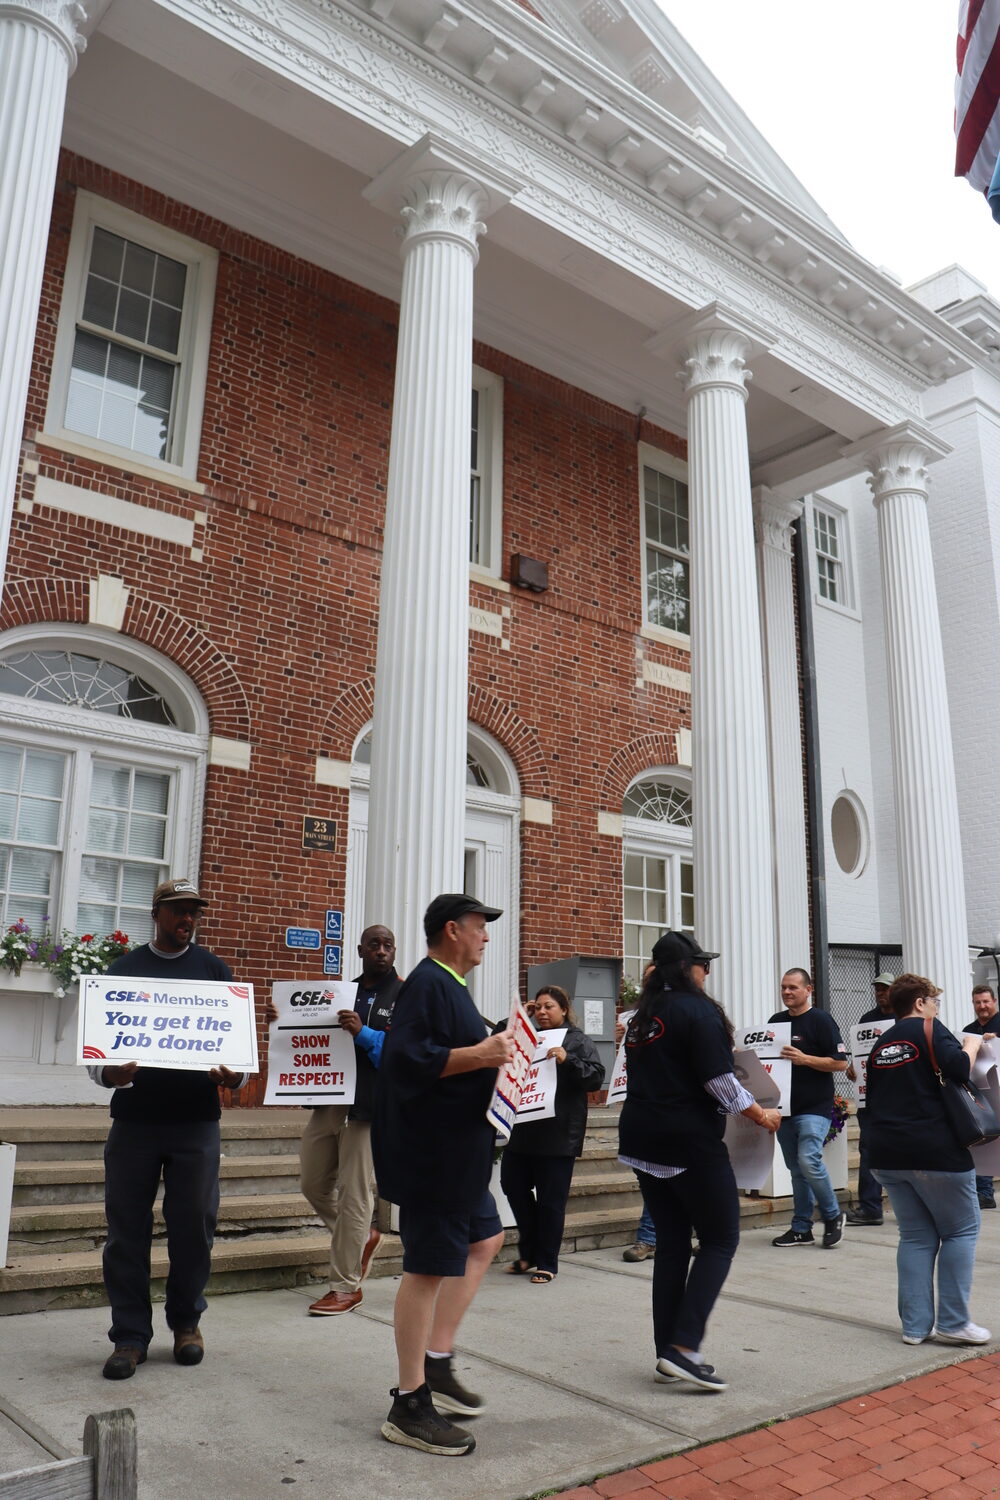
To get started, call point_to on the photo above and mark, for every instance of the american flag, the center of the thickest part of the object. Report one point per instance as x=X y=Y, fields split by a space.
x=977 y=92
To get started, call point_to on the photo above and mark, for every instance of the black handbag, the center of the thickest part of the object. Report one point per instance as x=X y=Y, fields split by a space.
x=969 y=1112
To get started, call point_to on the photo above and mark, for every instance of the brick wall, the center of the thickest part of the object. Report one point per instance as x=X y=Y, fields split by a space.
x=276 y=623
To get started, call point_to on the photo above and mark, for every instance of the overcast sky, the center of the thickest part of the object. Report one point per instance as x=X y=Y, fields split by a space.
x=858 y=98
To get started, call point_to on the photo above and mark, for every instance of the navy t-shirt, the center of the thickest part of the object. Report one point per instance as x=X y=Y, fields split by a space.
x=668 y=1116
x=161 y=1096
x=980 y=1028
x=907 y=1128
x=817 y=1034
x=432 y=1143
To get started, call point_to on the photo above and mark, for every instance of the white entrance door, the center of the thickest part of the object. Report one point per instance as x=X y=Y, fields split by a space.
x=491 y=874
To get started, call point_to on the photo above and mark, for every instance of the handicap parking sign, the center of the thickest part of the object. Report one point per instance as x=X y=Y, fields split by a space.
x=331 y=958
x=334 y=927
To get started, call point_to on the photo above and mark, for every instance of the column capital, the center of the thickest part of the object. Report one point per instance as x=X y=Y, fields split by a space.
x=713 y=344
x=69 y=21
x=441 y=192
x=897 y=459
x=773 y=518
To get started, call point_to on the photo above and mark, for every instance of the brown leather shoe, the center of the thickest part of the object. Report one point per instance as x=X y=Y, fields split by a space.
x=122 y=1364
x=368 y=1254
x=336 y=1302
x=189 y=1346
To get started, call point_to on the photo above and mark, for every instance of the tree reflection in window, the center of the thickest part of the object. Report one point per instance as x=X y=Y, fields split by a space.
x=76 y=681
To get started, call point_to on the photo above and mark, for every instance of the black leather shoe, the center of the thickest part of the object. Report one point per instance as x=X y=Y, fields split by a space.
x=862 y=1216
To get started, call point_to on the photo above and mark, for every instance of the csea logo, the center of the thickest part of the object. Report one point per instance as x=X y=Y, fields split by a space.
x=865 y=1035
x=757 y=1038
x=312 y=997
x=122 y=997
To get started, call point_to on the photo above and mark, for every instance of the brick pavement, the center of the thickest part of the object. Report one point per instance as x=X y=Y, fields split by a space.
x=937 y=1435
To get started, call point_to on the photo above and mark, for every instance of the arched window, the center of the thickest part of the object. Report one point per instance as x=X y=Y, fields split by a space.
x=102 y=753
x=658 y=873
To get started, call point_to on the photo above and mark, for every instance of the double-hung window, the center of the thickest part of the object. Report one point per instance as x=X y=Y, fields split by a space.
x=831 y=554
x=132 y=347
x=100 y=786
x=665 y=543
x=658 y=870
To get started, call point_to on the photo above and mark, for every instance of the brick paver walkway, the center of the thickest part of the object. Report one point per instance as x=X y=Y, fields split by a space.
x=937 y=1435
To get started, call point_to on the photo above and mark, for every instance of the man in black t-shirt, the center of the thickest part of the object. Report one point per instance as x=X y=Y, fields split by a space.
x=987 y=1023
x=433 y=1149
x=816 y=1053
x=163 y=1122
x=868 y=1209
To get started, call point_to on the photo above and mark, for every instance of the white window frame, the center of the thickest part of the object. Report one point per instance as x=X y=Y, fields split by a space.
x=193 y=349
x=490 y=388
x=821 y=505
x=83 y=734
x=666 y=841
x=673 y=468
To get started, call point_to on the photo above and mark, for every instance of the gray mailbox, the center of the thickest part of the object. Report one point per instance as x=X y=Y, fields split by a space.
x=592 y=984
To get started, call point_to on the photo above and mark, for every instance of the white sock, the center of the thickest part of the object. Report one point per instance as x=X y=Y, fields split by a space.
x=438 y=1354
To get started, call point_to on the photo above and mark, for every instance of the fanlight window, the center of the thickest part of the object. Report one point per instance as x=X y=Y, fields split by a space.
x=75 y=681
x=476 y=773
x=659 y=802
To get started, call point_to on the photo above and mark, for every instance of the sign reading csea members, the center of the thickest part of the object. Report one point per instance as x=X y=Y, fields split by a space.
x=167 y=1023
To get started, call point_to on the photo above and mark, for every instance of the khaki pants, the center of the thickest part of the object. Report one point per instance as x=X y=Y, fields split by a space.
x=338 y=1180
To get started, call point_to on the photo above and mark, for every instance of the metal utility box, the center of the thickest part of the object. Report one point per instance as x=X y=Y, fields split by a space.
x=592 y=985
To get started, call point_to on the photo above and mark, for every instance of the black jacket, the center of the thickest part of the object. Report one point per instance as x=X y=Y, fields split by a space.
x=578 y=1076
x=374 y=1005
x=906 y=1127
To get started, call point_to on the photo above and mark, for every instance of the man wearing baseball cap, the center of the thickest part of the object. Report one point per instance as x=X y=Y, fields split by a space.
x=433 y=1150
x=164 y=1122
x=868 y=1209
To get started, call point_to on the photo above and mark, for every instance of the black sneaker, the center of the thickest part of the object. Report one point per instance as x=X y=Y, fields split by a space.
x=413 y=1422
x=833 y=1231
x=122 y=1364
x=862 y=1216
x=448 y=1394
x=682 y=1368
x=793 y=1237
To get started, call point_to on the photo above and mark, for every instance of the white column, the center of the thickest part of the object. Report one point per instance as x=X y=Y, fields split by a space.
x=929 y=848
x=733 y=871
x=417 y=804
x=39 y=41
x=773 y=520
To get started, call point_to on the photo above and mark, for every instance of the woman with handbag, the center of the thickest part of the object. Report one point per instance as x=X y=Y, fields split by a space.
x=921 y=1162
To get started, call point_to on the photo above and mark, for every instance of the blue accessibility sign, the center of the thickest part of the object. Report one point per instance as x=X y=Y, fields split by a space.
x=302 y=937
x=334 y=927
x=331 y=958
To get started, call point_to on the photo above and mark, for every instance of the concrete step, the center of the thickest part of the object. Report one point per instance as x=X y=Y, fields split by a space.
x=78 y=1134
x=40 y=1182
x=68 y=1227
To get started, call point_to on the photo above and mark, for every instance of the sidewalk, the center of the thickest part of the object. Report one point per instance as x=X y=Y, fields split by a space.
x=283 y=1399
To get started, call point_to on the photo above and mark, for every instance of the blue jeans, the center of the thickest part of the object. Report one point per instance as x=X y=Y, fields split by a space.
x=646 y=1233
x=938 y=1217
x=801 y=1140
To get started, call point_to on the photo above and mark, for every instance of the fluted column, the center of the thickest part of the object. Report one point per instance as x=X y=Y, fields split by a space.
x=773 y=520
x=733 y=872
x=929 y=847
x=417 y=805
x=39 y=42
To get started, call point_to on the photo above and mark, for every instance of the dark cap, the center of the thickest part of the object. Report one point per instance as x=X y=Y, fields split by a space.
x=449 y=908
x=677 y=947
x=177 y=890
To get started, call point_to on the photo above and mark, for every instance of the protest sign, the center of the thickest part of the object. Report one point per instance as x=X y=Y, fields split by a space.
x=167 y=1023
x=617 y=1086
x=766 y=1042
x=751 y=1148
x=538 y=1096
x=310 y=1058
x=863 y=1038
x=511 y=1077
x=986 y=1159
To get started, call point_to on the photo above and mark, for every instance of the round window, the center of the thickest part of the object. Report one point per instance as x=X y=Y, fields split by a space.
x=848 y=828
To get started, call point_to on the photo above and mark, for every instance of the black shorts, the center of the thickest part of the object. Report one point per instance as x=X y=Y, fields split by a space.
x=437 y=1244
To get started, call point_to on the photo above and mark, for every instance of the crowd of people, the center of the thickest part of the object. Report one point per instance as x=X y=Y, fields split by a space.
x=417 y=1133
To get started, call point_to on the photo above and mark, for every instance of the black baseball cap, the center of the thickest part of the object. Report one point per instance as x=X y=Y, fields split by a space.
x=677 y=947
x=450 y=907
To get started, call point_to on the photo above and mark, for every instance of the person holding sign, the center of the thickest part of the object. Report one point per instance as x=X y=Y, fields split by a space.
x=163 y=1123
x=868 y=1209
x=987 y=1023
x=536 y=1168
x=433 y=1150
x=681 y=1086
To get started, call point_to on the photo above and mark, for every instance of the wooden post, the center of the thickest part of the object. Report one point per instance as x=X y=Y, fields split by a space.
x=110 y=1440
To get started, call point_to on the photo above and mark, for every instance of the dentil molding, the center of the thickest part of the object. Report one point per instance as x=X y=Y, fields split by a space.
x=389 y=85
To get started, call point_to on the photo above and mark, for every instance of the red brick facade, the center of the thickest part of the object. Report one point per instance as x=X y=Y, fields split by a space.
x=276 y=625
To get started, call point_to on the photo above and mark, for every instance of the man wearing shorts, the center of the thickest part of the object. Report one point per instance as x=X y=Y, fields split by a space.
x=433 y=1150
